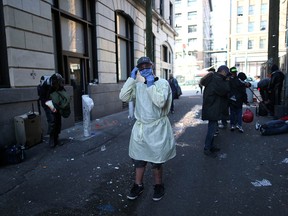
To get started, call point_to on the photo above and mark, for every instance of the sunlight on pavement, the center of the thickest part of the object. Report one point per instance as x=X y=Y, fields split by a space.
x=191 y=119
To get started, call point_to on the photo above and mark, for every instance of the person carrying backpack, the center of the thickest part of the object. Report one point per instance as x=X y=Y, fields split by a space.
x=176 y=90
x=55 y=102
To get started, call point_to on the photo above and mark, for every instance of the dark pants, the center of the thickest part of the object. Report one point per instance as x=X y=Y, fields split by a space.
x=212 y=127
x=264 y=95
x=274 y=127
x=54 y=124
x=174 y=95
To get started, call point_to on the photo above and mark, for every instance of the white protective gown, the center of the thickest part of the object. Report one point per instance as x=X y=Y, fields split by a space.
x=152 y=137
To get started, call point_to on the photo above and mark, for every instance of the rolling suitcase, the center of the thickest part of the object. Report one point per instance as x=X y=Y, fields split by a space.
x=28 y=129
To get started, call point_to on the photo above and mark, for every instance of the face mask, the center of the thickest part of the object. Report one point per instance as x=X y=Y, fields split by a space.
x=146 y=72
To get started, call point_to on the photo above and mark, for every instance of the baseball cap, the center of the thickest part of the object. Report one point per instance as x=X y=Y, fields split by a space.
x=144 y=60
x=233 y=70
x=223 y=68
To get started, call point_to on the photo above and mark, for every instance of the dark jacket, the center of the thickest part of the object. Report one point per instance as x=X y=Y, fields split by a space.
x=237 y=95
x=215 y=97
x=275 y=87
x=176 y=90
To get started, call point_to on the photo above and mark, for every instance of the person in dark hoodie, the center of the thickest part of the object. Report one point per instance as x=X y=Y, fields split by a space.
x=237 y=97
x=215 y=104
x=275 y=88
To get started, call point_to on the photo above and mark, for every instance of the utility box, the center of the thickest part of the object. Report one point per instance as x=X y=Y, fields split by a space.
x=28 y=129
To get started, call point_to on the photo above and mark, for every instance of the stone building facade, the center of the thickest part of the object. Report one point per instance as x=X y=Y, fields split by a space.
x=93 y=44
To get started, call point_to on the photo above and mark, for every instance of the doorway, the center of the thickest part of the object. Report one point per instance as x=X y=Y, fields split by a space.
x=76 y=72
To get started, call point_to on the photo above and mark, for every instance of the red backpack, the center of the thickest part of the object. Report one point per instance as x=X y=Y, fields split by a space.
x=247 y=116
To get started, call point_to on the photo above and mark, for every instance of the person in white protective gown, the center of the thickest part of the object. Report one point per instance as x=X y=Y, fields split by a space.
x=152 y=138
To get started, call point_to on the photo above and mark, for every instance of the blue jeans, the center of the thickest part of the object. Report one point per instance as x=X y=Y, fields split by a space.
x=274 y=127
x=235 y=116
x=212 y=126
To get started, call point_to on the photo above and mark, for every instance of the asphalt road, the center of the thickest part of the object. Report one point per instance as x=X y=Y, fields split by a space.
x=93 y=176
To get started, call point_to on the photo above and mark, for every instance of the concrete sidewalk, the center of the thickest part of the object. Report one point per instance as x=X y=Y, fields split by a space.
x=74 y=143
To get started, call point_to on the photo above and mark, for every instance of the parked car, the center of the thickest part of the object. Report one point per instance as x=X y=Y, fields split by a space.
x=252 y=81
x=189 y=83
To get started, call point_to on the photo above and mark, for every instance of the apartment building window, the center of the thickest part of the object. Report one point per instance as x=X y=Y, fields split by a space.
x=178 y=17
x=171 y=13
x=251 y=26
x=192 y=42
x=250 y=44
x=191 y=2
x=165 y=54
x=193 y=53
x=239 y=27
x=178 y=55
x=178 y=42
x=251 y=9
x=73 y=23
x=262 y=43
x=240 y=10
x=124 y=35
x=178 y=29
x=263 y=25
x=161 y=7
x=192 y=28
x=264 y=8
x=177 y=2
x=238 y=44
x=192 y=15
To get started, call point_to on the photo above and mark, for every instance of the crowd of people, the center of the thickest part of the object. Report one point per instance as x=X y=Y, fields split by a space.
x=224 y=95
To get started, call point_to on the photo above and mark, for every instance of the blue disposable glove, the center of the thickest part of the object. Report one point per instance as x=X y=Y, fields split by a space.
x=150 y=80
x=134 y=72
x=146 y=72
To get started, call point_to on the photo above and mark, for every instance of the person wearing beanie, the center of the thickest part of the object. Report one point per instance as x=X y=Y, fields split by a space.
x=237 y=97
x=214 y=106
x=275 y=88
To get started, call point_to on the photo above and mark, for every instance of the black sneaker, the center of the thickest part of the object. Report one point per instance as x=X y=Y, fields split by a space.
x=209 y=153
x=214 y=149
x=159 y=192
x=135 y=191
